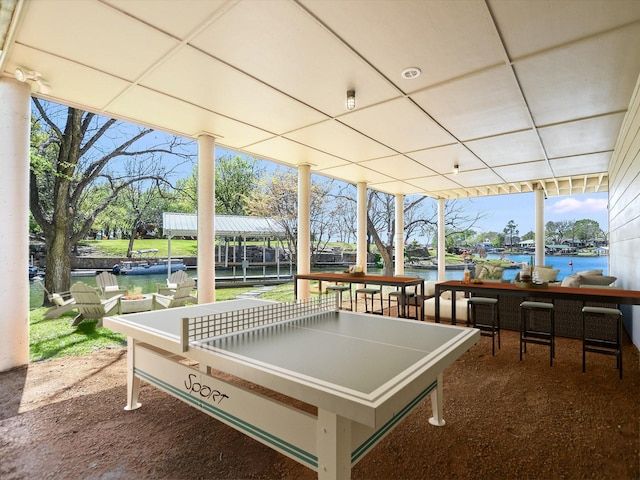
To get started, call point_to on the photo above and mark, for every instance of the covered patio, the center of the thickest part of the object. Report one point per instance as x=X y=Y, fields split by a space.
x=445 y=99
x=505 y=419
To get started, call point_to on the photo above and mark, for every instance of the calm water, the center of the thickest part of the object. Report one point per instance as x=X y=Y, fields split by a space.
x=148 y=282
x=558 y=262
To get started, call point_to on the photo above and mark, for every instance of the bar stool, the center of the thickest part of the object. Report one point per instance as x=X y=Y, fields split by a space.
x=338 y=290
x=489 y=328
x=403 y=308
x=530 y=331
x=370 y=292
x=596 y=338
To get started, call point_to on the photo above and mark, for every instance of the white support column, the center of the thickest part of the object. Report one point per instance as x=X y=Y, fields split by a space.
x=540 y=238
x=361 y=246
x=399 y=237
x=206 y=219
x=304 y=228
x=15 y=124
x=441 y=241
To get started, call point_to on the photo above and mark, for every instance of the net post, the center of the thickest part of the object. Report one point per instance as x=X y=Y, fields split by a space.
x=184 y=334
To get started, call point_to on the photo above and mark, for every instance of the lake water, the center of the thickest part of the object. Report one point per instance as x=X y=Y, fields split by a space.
x=148 y=282
x=558 y=262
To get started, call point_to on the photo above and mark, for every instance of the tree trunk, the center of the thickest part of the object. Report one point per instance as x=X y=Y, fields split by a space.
x=58 y=274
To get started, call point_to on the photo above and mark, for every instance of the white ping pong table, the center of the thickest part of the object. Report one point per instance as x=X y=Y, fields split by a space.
x=363 y=372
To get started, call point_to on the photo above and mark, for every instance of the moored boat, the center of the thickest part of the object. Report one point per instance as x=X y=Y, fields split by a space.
x=147 y=264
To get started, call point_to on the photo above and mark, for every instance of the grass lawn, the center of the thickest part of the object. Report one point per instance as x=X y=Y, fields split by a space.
x=118 y=248
x=49 y=339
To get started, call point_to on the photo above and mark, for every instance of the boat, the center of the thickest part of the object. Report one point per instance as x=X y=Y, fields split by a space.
x=144 y=262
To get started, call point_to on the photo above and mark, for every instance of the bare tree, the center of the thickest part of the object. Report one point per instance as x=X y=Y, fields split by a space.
x=71 y=150
x=277 y=197
x=420 y=219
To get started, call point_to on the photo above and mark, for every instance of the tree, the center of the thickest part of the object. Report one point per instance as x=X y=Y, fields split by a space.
x=420 y=218
x=510 y=230
x=277 y=197
x=235 y=178
x=587 y=231
x=72 y=153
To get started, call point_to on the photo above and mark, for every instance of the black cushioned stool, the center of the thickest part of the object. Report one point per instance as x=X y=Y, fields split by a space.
x=602 y=337
x=530 y=328
x=338 y=290
x=370 y=292
x=490 y=327
x=403 y=303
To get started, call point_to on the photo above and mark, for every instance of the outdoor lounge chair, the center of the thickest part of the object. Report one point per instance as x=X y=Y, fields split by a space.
x=108 y=285
x=90 y=305
x=178 y=299
x=62 y=303
x=175 y=279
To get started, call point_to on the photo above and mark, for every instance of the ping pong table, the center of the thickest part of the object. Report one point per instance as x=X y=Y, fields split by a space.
x=364 y=373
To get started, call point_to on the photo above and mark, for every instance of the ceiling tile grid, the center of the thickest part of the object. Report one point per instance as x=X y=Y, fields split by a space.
x=515 y=92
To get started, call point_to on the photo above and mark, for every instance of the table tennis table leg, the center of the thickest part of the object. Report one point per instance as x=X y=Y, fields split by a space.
x=133 y=382
x=436 y=404
x=334 y=446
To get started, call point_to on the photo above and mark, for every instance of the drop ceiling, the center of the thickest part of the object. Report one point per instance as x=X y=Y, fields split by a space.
x=521 y=94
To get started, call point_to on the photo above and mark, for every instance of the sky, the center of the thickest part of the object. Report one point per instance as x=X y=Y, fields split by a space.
x=520 y=208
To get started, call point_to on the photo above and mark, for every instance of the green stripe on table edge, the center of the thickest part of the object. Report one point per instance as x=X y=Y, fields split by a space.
x=278 y=443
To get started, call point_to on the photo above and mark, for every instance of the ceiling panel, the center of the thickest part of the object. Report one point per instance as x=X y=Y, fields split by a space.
x=293 y=53
x=396 y=188
x=398 y=166
x=289 y=152
x=583 y=164
x=525 y=172
x=413 y=129
x=443 y=159
x=479 y=105
x=596 y=134
x=533 y=26
x=508 y=149
x=86 y=32
x=357 y=173
x=433 y=183
x=444 y=39
x=222 y=89
x=337 y=139
x=474 y=178
x=148 y=106
x=178 y=22
x=74 y=83
x=583 y=79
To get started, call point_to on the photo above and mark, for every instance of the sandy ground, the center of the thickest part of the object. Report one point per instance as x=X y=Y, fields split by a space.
x=505 y=419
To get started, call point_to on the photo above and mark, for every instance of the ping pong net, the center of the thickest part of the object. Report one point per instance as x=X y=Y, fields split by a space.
x=206 y=327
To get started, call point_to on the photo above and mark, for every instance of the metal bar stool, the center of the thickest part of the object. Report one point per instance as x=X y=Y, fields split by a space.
x=530 y=331
x=403 y=302
x=489 y=328
x=597 y=338
x=370 y=292
x=338 y=290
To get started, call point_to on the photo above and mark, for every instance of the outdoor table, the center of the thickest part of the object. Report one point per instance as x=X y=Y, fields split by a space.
x=399 y=282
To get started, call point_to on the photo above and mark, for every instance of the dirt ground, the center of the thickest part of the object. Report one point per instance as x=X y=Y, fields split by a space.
x=505 y=419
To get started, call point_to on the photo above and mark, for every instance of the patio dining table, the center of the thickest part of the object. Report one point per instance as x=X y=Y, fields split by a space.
x=400 y=282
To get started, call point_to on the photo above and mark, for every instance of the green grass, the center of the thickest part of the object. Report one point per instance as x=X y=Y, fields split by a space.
x=50 y=339
x=118 y=248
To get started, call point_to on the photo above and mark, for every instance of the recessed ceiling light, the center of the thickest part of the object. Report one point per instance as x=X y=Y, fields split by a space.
x=411 y=73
